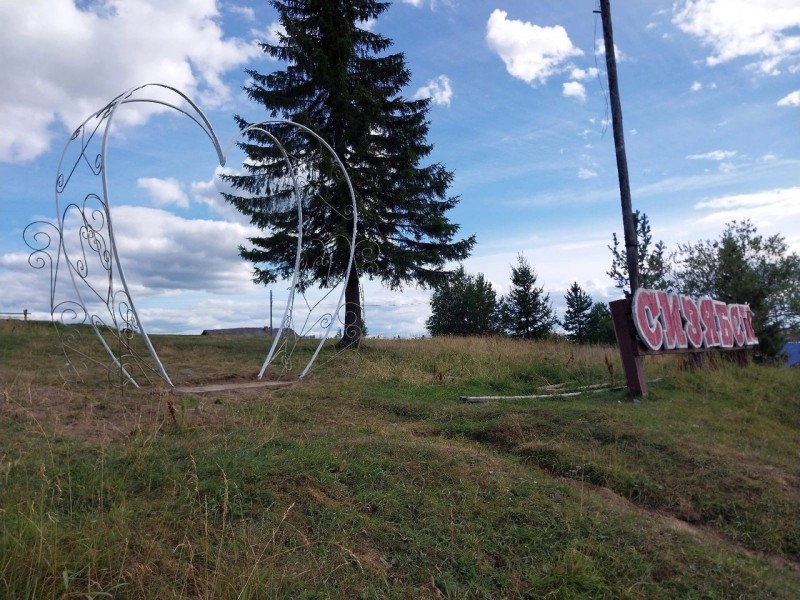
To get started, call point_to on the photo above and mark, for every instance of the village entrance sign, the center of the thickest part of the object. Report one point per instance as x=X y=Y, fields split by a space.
x=88 y=285
x=659 y=322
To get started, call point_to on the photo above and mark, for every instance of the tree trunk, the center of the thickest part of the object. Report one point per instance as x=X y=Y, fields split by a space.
x=353 y=317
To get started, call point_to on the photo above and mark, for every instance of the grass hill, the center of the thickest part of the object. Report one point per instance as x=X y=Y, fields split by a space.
x=371 y=479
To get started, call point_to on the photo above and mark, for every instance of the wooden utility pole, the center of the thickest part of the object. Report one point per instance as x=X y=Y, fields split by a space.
x=631 y=241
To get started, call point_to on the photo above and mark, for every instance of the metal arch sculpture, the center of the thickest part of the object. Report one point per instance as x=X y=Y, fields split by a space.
x=100 y=296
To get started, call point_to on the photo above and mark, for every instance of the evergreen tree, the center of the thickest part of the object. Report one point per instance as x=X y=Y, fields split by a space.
x=464 y=305
x=526 y=312
x=654 y=269
x=600 y=326
x=339 y=80
x=576 y=317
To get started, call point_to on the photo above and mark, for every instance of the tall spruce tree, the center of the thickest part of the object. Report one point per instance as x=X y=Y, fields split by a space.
x=338 y=80
x=576 y=317
x=526 y=312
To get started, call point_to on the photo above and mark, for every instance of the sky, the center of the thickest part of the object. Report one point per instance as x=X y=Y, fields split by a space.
x=710 y=93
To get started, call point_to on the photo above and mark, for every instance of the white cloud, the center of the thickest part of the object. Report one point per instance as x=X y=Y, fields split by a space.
x=61 y=63
x=439 y=90
x=696 y=86
x=246 y=11
x=273 y=33
x=714 y=155
x=162 y=251
x=586 y=173
x=164 y=192
x=209 y=194
x=577 y=74
x=574 y=89
x=530 y=52
x=368 y=25
x=766 y=29
x=792 y=99
x=776 y=209
x=600 y=50
x=781 y=197
x=416 y=3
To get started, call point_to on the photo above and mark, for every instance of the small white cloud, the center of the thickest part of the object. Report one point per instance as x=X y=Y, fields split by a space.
x=769 y=156
x=714 y=155
x=530 y=52
x=416 y=3
x=577 y=74
x=439 y=90
x=247 y=12
x=600 y=50
x=164 y=192
x=633 y=131
x=368 y=25
x=696 y=86
x=792 y=99
x=273 y=33
x=586 y=173
x=574 y=89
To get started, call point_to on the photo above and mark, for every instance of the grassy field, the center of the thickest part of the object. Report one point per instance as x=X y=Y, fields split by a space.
x=371 y=479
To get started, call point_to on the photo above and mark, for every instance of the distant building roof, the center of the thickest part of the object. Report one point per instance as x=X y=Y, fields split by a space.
x=249 y=331
x=792 y=351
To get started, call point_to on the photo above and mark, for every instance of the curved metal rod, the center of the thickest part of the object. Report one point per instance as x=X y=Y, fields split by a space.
x=208 y=129
x=260 y=127
x=99 y=166
x=106 y=115
x=293 y=175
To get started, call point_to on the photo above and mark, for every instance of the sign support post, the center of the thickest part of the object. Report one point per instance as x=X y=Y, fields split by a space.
x=628 y=347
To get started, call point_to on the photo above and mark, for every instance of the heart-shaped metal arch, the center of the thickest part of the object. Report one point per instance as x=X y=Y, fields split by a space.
x=91 y=211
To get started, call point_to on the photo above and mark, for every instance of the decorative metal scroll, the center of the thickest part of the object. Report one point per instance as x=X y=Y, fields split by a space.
x=89 y=291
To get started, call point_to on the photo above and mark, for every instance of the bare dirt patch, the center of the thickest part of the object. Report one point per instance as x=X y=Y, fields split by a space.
x=102 y=417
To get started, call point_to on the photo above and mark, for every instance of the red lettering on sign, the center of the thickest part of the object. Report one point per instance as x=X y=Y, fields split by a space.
x=693 y=329
x=674 y=335
x=708 y=322
x=747 y=318
x=670 y=321
x=645 y=318
x=738 y=325
x=723 y=316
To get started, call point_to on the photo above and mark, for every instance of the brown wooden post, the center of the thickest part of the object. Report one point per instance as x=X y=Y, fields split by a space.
x=628 y=347
x=631 y=241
